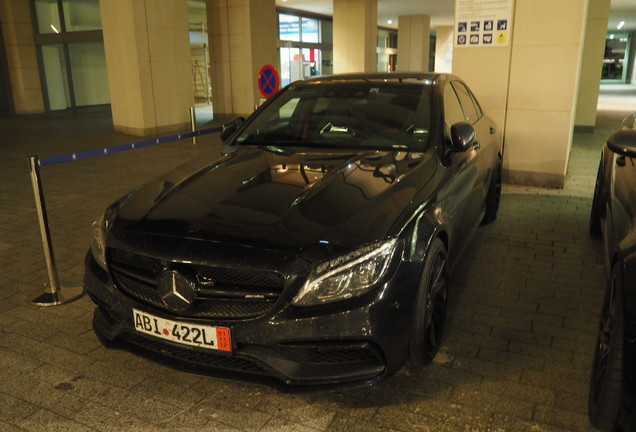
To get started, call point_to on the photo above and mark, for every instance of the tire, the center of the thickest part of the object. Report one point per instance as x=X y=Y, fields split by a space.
x=606 y=384
x=429 y=315
x=597 y=204
x=494 y=195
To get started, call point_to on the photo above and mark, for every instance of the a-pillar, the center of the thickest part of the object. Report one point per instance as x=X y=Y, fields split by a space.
x=414 y=35
x=355 y=35
x=444 y=49
x=147 y=51
x=530 y=87
x=17 y=29
x=243 y=38
x=591 y=68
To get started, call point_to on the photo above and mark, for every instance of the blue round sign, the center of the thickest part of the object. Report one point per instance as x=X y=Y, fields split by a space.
x=268 y=80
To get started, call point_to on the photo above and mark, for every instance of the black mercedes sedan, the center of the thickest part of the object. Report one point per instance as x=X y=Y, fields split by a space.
x=316 y=251
x=612 y=394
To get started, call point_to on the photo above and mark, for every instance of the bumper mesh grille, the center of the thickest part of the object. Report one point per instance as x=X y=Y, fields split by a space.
x=332 y=354
x=196 y=357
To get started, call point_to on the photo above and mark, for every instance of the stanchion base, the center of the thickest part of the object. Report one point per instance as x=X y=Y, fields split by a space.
x=65 y=294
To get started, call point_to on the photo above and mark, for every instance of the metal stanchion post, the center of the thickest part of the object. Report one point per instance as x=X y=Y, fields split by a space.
x=54 y=295
x=193 y=124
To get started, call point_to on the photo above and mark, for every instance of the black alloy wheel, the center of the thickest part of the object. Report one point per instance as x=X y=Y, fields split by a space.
x=597 y=204
x=606 y=384
x=430 y=307
x=494 y=195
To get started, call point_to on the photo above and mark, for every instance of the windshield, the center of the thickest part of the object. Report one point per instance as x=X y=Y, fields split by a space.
x=345 y=114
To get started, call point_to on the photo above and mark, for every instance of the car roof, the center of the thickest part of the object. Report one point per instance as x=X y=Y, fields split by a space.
x=424 y=77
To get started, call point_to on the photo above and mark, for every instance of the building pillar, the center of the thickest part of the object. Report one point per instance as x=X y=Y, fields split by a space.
x=17 y=30
x=591 y=68
x=243 y=38
x=414 y=35
x=486 y=70
x=147 y=51
x=444 y=49
x=530 y=87
x=355 y=35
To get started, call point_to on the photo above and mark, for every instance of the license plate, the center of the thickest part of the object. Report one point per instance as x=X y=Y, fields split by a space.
x=201 y=336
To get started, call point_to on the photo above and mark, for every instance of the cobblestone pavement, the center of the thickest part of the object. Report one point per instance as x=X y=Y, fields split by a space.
x=516 y=356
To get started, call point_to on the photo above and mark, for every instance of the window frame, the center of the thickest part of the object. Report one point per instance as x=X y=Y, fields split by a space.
x=467 y=98
x=448 y=87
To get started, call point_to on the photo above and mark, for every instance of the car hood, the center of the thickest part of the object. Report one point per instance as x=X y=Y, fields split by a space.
x=280 y=199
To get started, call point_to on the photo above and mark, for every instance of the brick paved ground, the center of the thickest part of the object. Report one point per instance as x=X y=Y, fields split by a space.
x=516 y=357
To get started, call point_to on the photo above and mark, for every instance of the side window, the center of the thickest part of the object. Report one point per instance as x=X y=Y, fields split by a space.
x=480 y=112
x=453 y=112
x=471 y=108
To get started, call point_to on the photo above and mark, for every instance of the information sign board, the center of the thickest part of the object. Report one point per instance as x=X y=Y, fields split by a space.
x=484 y=23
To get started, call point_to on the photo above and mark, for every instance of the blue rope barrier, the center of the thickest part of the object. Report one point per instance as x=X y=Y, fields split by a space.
x=70 y=157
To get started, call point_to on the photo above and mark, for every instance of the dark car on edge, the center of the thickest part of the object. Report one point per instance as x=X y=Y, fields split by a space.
x=612 y=394
x=315 y=251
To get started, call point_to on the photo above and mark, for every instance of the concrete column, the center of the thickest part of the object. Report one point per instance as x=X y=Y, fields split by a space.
x=444 y=49
x=486 y=70
x=147 y=51
x=530 y=87
x=243 y=38
x=591 y=68
x=414 y=34
x=17 y=30
x=355 y=35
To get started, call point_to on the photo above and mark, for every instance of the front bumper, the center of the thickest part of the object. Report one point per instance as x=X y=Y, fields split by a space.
x=295 y=347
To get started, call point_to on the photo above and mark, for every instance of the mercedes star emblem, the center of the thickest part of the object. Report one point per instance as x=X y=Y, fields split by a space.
x=176 y=290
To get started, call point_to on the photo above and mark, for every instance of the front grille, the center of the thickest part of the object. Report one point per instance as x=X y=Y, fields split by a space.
x=240 y=277
x=220 y=292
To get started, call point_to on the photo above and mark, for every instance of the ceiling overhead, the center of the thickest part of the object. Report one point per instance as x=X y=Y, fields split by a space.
x=622 y=10
x=442 y=11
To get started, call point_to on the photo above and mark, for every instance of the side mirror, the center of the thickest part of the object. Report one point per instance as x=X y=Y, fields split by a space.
x=462 y=136
x=231 y=127
x=623 y=142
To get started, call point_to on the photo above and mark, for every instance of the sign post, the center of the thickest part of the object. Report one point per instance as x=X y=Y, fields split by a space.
x=268 y=81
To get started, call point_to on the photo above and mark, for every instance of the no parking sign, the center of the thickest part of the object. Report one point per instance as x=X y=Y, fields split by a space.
x=268 y=81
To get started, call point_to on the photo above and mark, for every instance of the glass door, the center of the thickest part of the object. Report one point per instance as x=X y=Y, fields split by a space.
x=71 y=51
x=298 y=63
x=301 y=48
x=56 y=77
x=616 y=59
x=290 y=69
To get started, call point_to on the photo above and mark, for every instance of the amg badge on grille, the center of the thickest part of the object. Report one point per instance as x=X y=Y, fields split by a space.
x=176 y=290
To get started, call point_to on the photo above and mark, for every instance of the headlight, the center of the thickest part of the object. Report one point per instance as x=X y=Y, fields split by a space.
x=98 y=243
x=348 y=275
x=98 y=240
